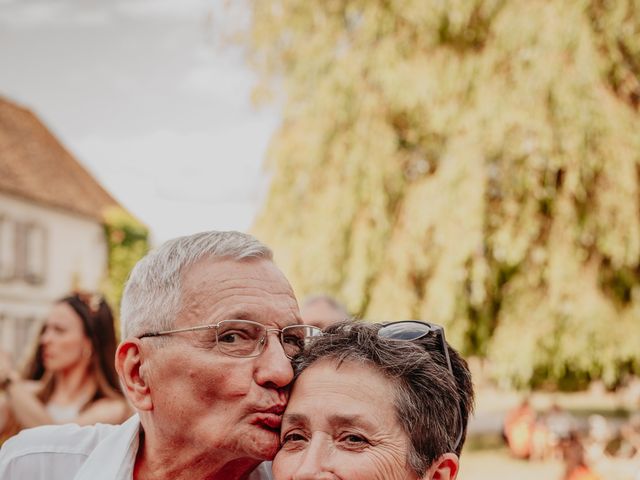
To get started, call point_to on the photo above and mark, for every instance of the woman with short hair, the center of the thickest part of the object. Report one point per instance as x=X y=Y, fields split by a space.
x=376 y=402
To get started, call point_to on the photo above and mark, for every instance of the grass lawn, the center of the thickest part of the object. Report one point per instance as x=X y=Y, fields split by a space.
x=494 y=464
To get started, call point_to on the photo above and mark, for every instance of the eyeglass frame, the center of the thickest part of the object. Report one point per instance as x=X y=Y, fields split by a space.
x=431 y=328
x=262 y=341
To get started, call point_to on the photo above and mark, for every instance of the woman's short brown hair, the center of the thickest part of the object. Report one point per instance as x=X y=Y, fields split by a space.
x=431 y=405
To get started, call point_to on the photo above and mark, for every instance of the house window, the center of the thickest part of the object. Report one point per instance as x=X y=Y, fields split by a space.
x=23 y=250
x=18 y=335
x=35 y=249
x=25 y=339
x=8 y=247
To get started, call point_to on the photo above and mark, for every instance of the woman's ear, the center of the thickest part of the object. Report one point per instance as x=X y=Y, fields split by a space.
x=444 y=468
x=130 y=364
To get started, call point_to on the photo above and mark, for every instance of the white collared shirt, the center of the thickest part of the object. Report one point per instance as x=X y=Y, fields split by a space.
x=65 y=452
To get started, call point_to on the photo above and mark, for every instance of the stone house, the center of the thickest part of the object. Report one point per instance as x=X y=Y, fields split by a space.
x=51 y=232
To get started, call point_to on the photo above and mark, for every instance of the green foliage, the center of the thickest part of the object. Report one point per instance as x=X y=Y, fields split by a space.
x=127 y=240
x=470 y=162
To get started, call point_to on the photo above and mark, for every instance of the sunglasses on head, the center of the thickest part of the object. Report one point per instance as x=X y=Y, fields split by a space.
x=412 y=330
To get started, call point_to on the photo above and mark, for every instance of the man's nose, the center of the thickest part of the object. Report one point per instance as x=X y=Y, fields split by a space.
x=273 y=368
x=314 y=465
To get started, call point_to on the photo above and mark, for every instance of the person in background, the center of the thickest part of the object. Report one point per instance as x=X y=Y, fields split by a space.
x=209 y=327
x=71 y=376
x=519 y=427
x=575 y=464
x=376 y=402
x=322 y=311
x=557 y=423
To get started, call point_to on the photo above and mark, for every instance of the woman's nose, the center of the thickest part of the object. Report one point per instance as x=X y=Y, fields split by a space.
x=316 y=476
x=315 y=464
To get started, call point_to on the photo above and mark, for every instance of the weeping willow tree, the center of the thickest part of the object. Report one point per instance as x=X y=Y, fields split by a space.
x=470 y=162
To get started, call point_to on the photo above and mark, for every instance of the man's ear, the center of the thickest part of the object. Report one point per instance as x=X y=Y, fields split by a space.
x=444 y=468
x=130 y=364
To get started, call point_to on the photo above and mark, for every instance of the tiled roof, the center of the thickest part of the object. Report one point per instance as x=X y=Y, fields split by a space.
x=35 y=165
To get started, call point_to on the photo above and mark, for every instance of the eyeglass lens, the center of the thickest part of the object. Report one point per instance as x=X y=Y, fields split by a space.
x=296 y=337
x=239 y=338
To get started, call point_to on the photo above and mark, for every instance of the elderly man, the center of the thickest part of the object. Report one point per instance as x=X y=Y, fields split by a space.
x=209 y=326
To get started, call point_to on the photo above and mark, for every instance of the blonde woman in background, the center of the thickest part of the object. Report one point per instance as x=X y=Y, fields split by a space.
x=71 y=377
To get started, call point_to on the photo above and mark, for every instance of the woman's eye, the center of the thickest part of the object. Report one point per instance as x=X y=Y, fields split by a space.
x=292 y=437
x=353 y=439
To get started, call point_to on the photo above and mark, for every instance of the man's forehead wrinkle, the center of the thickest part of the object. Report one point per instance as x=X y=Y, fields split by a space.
x=208 y=286
x=241 y=295
x=247 y=269
x=213 y=292
x=249 y=309
x=240 y=304
x=271 y=285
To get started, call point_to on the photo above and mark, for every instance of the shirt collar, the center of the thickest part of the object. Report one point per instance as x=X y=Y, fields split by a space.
x=114 y=457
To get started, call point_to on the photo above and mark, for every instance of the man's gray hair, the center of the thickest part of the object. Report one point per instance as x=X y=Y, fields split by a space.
x=152 y=296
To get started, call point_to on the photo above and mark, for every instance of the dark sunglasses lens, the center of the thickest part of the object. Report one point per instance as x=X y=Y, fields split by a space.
x=404 y=331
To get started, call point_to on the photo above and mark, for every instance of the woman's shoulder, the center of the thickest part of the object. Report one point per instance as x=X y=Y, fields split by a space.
x=106 y=410
x=109 y=401
x=34 y=386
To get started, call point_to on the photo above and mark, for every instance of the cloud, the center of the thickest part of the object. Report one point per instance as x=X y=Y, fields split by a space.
x=30 y=15
x=226 y=83
x=178 y=183
x=38 y=14
x=162 y=8
x=173 y=219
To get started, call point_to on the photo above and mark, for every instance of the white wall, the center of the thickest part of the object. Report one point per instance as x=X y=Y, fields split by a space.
x=44 y=253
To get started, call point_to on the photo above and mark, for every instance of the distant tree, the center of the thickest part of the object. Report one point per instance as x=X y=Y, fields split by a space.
x=127 y=241
x=470 y=162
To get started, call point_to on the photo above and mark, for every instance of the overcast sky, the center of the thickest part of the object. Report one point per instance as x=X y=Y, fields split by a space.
x=148 y=98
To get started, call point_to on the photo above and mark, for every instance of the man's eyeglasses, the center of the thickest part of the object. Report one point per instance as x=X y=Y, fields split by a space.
x=245 y=338
x=411 y=330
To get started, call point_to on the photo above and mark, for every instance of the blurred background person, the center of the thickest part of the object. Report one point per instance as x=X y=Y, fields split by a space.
x=630 y=433
x=575 y=464
x=518 y=429
x=323 y=311
x=558 y=423
x=70 y=378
